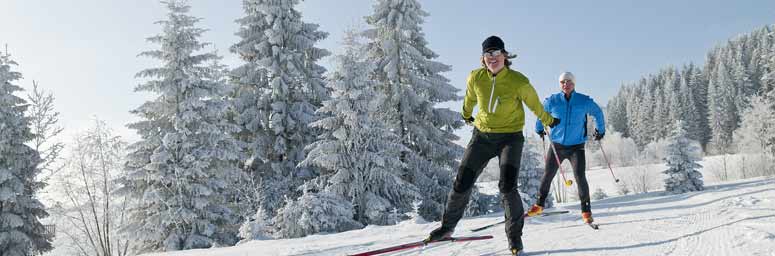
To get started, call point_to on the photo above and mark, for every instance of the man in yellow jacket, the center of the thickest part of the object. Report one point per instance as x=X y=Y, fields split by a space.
x=499 y=92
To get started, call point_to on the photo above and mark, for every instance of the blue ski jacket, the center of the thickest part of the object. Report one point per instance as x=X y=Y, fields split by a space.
x=572 y=113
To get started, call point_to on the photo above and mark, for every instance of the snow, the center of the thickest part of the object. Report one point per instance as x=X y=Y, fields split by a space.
x=729 y=218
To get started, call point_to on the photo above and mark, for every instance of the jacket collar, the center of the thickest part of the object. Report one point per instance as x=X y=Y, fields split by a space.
x=561 y=95
x=500 y=74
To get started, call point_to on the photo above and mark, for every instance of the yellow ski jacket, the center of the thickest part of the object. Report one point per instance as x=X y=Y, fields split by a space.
x=500 y=100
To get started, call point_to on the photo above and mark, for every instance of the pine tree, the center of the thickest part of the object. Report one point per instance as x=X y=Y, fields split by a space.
x=412 y=80
x=632 y=110
x=721 y=91
x=662 y=103
x=645 y=129
x=530 y=173
x=20 y=211
x=263 y=188
x=279 y=88
x=682 y=155
x=768 y=93
x=635 y=97
x=181 y=170
x=689 y=107
x=699 y=88
x=358 y=158
x=742 y=76
x=723 y=116
x=677 y=109
x=316 y=212
x=616 y=113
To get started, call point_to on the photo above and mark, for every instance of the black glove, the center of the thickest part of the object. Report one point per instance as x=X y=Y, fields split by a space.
x=542 y=133
x=598 y=135
x=555 y=122
x=469 y=121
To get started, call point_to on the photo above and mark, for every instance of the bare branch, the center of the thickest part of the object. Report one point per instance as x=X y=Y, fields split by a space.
x=44 y=124
x=96 y=158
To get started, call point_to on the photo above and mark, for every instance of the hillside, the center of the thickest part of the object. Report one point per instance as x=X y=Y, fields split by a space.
x=735 y=218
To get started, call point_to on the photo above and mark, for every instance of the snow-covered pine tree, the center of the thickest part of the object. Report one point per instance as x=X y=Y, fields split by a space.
x=662 y=110
x=650 y=130
x=741 y=75
x=358 y=158
x=412 y=80
x=689 y=107
x=279 y=88
x=732 y=74
x=722 y=116
x=263 y=187
x=699 y=87
x=639 y=100
x=20 y=211
x=682 y=155
x=768 y=93
x=616 y=113
x=181 y=170
x=530 y=173
x=316 y=212
x=677 y=106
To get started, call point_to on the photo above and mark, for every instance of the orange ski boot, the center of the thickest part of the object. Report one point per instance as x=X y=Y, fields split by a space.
x=587 y=217
x=535 y=210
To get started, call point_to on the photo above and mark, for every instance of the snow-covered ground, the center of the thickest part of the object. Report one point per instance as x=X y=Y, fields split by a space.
x=733 y=218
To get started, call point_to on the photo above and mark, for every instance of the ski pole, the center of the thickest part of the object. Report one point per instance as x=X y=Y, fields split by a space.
x=567 y=182
x=608 y=162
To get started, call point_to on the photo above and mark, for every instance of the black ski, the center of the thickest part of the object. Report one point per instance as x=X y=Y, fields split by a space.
x=504 y=221
x=593 y=226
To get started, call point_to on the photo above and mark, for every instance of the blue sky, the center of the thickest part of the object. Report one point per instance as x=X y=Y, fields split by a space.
x=85 y=50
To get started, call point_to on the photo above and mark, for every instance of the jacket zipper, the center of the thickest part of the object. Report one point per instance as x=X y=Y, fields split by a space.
x=567 y=116
x=492 y=92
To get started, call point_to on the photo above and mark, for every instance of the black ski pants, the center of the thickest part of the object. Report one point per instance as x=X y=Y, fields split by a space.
x=483 y=147
x=574 y=154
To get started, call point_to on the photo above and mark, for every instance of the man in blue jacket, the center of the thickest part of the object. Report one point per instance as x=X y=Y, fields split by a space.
x=568 y=139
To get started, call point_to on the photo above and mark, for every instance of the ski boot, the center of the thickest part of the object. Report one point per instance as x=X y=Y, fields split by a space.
x=587 y=217
x=535 y=210
x=439 y=234
x=515 y=245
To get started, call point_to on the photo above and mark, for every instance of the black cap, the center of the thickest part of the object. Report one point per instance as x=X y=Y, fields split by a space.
x=492 y=43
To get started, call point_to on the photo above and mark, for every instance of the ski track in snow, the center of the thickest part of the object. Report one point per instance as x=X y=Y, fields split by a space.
x=735 y=218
